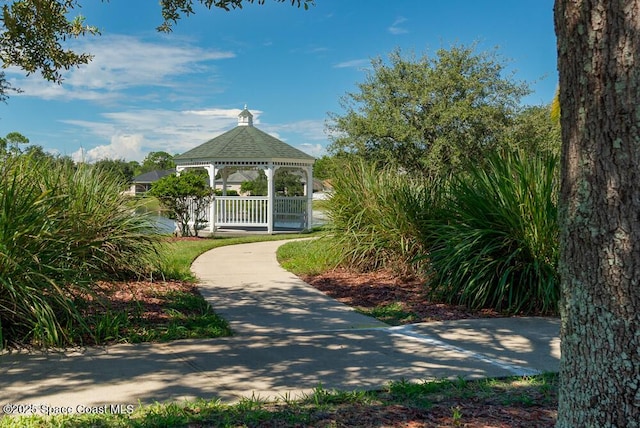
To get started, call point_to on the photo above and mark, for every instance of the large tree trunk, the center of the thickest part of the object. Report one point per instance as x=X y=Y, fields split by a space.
x=599 y=64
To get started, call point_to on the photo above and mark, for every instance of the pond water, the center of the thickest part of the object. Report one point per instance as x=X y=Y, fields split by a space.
x=166 y=225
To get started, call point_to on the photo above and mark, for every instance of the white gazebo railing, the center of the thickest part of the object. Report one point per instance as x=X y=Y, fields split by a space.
x=240 y=211
x=253 y=211
x=290 y=211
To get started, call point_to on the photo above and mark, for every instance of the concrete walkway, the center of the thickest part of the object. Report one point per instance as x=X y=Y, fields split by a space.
x=289 y=338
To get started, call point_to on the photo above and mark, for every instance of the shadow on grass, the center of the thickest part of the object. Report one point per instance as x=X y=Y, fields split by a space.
x=514 y=402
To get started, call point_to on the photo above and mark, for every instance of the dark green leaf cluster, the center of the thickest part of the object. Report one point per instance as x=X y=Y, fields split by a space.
x=186 y=196
x=535 y=130
x=173 y=10
x=285 y=183
x=11 y=143
x=377 y=216
x=123 y=171
x=32 y=36
x=485 y=238
x=256 y=187
x=157 y=161
x=6 y=87
x=426 y=115
x=324 y=168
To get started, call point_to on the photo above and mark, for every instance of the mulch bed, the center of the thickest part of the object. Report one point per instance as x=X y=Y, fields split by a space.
x=145 y=300
x=374 y=289
x=471 y=415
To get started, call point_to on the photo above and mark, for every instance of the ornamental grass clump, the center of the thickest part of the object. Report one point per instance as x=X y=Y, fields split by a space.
x=495 y=244
x=61 y=228
x=377 y=216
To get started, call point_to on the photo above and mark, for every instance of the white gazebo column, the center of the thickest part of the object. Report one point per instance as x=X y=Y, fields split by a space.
x=309 y=193
x=270 y=172
x=212 y=171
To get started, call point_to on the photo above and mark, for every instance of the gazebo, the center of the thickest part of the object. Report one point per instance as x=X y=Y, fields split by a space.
x=243 y=147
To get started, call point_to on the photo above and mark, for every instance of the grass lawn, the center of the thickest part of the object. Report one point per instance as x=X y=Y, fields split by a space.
x=512 y=402
x=309 y=257
x=150 y=204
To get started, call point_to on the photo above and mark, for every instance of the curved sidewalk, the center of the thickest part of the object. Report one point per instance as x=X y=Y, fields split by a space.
x=289 y=338
x=247 y=287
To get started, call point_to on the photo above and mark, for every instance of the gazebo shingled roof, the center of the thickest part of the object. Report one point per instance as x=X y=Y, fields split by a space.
x=244 y=142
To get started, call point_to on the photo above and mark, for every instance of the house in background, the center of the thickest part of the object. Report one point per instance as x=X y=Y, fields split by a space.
x=235 y=179
x=143 y=182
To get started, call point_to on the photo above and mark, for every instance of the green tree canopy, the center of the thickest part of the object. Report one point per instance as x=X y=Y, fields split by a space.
x=425 y=115
x=37 y=152
x=32 y=34
x=285 y=182
x=120 y=168
x=535 y=130
x=256 y=187
x=324 y=167
x=173 y=10
x=288 y=184
x=157 y=161
x=11 y=143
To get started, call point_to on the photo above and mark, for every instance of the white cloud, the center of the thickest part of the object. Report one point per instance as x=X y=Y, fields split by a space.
x=310 y=132
x=315 y=150
x=36 y=86
x=396 y=28
x=128 y=147
x=120 y=63
x=307 y=129
x=124 y=61
x=102 y=130
x=354 y=63
x=134 y=133
x=219 y=113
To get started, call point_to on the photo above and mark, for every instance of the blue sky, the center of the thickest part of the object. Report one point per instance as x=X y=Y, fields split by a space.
x=146 y=91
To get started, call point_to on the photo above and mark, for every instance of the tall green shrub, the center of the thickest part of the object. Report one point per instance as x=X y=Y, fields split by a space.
x=495 y=244
x=378 y=215
x=61 y=228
